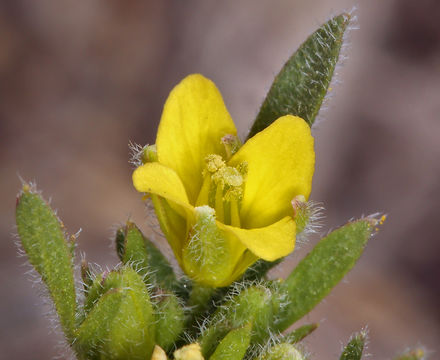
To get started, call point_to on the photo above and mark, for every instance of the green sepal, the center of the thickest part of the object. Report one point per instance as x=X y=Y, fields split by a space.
x=412 y=354
x=135 y=249
x=323 y=268
x=253 y=304
x=234 y=344
x=43 y=238
x=355 y=347
x=170 y=320
x=301 y=85
x=298 y=334
x=120 y=324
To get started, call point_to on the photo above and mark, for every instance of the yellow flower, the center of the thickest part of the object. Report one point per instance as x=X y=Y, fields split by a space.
x=222 y=206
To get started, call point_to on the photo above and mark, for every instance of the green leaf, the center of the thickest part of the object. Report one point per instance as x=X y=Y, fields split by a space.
x=298 y=334
x=355 y=347
x=323 y=268
x=301 y=85
x=170 y=319
x=413 y=354
x=135 y=249
x=234 y=344
x=42 y=237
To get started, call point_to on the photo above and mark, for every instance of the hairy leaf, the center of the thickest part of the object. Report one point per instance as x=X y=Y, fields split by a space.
x=301 y=85
x=42 y=237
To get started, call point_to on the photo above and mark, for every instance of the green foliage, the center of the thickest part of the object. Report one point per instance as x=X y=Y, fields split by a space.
x=118 y=319
x=323 y=268
x=355 y=347
x=234 y=344
x=42 y=237
x=301 y=85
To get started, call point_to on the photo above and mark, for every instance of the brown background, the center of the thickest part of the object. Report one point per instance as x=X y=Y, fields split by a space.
x=79 y=79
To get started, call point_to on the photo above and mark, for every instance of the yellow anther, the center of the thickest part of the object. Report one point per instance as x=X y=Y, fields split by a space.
x=214 y=163
x=228 y=175
x=382 y=219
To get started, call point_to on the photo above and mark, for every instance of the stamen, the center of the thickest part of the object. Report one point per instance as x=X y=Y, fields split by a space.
x=235 y=214
x=219 y=203
x=222 y=188
x=214 y=163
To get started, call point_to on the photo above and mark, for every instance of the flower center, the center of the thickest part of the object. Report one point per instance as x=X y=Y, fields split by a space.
x=222 y=189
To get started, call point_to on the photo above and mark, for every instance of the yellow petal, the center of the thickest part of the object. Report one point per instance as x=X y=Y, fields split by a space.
x=169 y=199
x=269 y=243
x=247 y=259
x=281 y=162
x=158 y=179
x=172 y=224
x=194 y=120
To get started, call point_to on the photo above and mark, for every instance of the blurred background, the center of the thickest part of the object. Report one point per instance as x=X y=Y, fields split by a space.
x=80 y=79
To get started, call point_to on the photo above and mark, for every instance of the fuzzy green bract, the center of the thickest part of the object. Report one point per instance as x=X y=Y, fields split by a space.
x=135 y=249
x=322 y=269
x=301 y=85
x=42 y=237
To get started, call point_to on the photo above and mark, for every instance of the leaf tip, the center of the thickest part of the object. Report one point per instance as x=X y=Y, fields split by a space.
x=376 y=221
